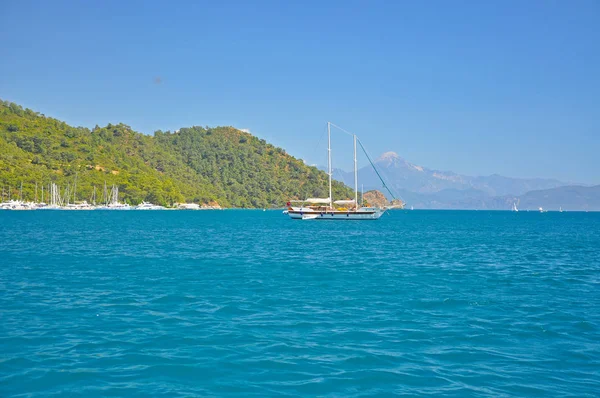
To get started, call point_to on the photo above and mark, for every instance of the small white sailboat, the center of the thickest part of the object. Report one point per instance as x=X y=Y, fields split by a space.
x=327 y=208
x=514 y=207
x=560 y=210
x=76 y=205
x=111 y=201
x=54 y=202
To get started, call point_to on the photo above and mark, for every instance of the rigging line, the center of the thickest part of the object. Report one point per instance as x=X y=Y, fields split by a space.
x=339 y=174
x=369 y=158
x=320 y=160
x=345 y=131
x=319 y=142
x=350 y=134
x=375 y=168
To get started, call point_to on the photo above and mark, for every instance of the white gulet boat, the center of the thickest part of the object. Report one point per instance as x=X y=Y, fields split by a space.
x=327 y=208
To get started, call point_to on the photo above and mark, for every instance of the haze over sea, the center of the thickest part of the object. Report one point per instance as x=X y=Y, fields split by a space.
x=250 y=303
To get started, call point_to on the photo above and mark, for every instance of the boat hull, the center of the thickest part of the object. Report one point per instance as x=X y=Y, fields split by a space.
x=335 y=215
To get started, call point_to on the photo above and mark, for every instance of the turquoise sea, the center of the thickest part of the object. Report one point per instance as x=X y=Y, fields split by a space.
x=250 y=303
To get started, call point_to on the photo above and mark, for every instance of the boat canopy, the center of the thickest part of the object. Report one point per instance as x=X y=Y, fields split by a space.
x=345 y=202
x=318 y=200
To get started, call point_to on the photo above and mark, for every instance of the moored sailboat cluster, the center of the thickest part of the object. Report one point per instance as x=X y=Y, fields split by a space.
x=53 y=197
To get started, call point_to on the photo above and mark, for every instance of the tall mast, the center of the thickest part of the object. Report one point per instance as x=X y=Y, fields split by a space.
x=329 y=161
x=42 y=193
x=75 y=190
x=355 y=175
x=36 y=192
x=362 y=195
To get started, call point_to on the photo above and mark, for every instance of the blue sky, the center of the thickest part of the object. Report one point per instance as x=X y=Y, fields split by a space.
x=508 y=87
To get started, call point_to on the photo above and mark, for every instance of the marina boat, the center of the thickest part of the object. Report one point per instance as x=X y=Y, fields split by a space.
x=7 y=205
x=79 y=206
x=117 y=206
x=54 y=199
x=49 y=207
x=148 y=206
x=17 y=205
x=188 y=206
x=114 y=203
x=327 y=208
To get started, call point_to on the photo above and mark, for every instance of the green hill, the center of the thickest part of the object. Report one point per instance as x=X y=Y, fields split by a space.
x=197 y=164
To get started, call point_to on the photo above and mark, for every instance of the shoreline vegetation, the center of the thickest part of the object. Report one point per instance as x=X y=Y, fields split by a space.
x=211 y=167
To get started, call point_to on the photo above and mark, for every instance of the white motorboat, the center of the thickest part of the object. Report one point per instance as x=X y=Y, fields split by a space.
x=148 y=206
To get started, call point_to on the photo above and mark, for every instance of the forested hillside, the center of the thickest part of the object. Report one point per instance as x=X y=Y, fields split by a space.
x=197 y=164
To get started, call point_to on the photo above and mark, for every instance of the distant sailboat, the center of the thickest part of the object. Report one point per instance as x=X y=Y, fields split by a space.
x=54 y=198
x=76 y=205
x=560 y=210
x=114 y=203
x=514 y=207
x=327 y=208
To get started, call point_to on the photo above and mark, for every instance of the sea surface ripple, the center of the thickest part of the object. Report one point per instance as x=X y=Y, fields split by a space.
x=250 y=303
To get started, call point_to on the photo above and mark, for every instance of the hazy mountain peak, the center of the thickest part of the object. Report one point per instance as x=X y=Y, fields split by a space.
x=389 y=157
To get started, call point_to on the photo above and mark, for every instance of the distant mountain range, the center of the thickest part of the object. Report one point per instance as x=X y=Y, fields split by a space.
x=434 y=189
